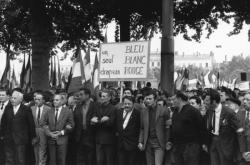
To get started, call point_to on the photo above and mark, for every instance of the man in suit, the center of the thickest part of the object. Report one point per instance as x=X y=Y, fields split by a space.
x=40 y=145
x=223 y=127
x=84 y=133
x=103 y=122
x=57 y=123
x=128 y=129
x=154 y=132
x=4 y=104
x=245 y=136
x=18 y=128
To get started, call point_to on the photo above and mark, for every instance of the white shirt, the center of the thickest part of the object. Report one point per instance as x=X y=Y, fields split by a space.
x=125 y=123
x=59 y=111
x=15 y=108
x=1 y=111
x=217 y=119
x=248 y=114
x=37 y=110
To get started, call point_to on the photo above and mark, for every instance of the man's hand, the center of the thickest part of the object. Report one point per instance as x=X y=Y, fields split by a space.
x=94 y=120
x=68 y=127
x=204 y=147
x=140 y=146
x=54 y=135
x=104 y=119
x=34 y=141
x=168 y=146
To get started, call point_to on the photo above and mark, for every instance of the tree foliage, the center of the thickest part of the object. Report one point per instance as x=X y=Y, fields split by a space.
x=232 y=69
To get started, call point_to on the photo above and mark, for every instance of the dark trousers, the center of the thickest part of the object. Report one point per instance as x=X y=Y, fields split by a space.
x=127 y=157
x=85 y=154
x=71 y=152
x=14 y=154
x=57 y=154
x=154 y=154
x=186 y=154
x=216 y=154
x=2 y=156
x=105 y=154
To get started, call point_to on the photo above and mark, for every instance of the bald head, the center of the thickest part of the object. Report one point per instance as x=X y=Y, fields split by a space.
x=16 y=98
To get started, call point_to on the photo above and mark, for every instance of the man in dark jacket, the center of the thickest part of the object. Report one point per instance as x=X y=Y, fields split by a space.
x=104 y=123
x=128 y=128
x=187 y=132
x=18 y=128
x=84 y=132
x=224 y=128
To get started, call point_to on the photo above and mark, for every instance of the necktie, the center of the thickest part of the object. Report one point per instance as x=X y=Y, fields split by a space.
x=56 y=115
x=213 y=124
x=125 y=116
x=84 y=112
x=247 y=117
x=2 y=105
x=39 y=114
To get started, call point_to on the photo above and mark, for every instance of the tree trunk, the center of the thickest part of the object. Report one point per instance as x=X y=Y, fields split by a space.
x=41 y=45
x=167 y=47
x=124 y=21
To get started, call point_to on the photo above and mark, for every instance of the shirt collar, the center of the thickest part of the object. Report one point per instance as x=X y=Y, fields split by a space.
x=218 y=108
x=40 y=107
x=6 y=102
x=59 y=108
x=16 y=107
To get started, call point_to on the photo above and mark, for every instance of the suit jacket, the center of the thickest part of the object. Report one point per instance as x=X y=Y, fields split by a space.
x=49 y=125
x=228 y=126
x=128 y=137
x=89 y=136
x=244 y=140
x=105 y=132
x=34 y=109
x=6 y=107
x=40 y=133
x=161 y=126
x=19 y=127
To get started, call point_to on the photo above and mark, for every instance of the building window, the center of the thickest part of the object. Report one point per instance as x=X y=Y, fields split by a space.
x=206 y=64
x=158 y=64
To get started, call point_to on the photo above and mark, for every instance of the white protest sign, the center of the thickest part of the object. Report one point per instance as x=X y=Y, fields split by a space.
x=124 y=61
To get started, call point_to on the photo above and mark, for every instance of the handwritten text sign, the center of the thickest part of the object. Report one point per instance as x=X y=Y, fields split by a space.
x=125 y=61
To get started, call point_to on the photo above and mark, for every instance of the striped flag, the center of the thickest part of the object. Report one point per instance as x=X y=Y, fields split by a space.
x=87 y=67
x=59 y=76
x=27 y=76
x=78 y=77
x=5 y=80
x=22 y=72
x=13 y=83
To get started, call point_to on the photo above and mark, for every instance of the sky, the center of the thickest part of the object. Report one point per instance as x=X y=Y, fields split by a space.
x=230 y=46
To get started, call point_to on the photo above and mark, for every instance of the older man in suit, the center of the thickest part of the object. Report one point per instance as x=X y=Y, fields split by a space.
x=154 y=132
x=40 y=145
x=224 y=128
x=57 y=123
x=18 y=128
x=128 y=129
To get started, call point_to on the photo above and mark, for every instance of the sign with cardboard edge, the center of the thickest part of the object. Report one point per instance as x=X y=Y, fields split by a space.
x=124 y=79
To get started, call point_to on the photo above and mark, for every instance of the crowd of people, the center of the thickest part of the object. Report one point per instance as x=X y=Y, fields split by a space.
x=145 y=127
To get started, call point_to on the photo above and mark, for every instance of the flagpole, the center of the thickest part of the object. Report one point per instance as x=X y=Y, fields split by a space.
x=121 y=94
